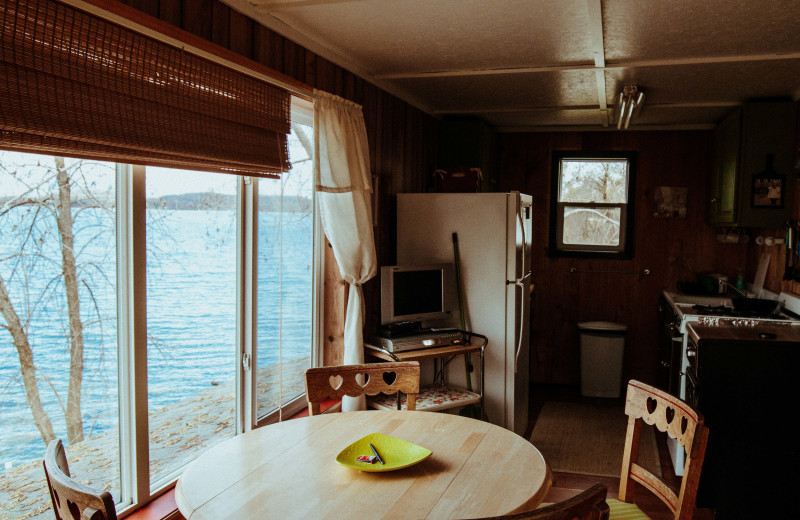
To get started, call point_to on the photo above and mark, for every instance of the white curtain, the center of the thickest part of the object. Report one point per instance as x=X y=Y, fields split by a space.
x=343 y=182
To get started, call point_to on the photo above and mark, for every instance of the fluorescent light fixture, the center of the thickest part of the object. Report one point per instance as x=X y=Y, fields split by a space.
x=629 y=103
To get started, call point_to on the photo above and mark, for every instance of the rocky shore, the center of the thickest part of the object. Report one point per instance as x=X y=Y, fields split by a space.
x=177 y=433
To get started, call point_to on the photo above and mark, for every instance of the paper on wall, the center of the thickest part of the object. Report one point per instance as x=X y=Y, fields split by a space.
x=761 y=274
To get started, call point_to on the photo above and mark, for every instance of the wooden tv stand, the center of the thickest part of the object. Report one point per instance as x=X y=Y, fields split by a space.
x=440 y=395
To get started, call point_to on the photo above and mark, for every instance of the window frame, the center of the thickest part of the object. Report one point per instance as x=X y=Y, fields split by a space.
x=302 y=112
x=135 y=468
x=136 y=488
x=556 y=246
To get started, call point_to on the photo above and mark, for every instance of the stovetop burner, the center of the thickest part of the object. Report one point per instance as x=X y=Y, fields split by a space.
x=730 y=312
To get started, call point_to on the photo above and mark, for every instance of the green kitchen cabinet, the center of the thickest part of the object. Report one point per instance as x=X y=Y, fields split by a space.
x=752 y=180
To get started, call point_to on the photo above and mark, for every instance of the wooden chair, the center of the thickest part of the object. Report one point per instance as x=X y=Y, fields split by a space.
x=589 y=505
x=646 y=404
x=71 y=499
x=337 y=381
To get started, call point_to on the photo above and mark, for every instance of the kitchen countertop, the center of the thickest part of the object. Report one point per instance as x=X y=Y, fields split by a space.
x=784 y=332
x=679 y=298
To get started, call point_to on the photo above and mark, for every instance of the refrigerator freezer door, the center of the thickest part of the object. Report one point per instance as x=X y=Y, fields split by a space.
x=518 y=312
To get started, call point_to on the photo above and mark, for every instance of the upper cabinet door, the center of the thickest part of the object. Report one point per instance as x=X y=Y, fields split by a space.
x=753 y=177
x=722 y=206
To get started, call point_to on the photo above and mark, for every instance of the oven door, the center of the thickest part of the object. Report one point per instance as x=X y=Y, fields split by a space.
x=670 y=344
x=692 y=397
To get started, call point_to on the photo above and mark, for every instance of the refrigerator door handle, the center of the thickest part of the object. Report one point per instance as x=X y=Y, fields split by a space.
x=524 y=244
x=520 y=282
x=521 y=286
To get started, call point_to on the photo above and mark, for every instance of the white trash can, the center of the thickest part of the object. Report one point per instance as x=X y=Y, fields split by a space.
x=602 y=346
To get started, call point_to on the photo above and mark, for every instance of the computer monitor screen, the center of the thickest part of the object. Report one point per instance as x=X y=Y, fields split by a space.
x=416 y=293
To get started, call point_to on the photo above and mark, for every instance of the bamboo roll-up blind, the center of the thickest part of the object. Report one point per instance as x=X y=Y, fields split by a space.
x=75 y=84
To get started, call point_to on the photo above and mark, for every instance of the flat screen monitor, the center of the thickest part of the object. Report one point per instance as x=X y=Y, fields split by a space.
x=416 y=292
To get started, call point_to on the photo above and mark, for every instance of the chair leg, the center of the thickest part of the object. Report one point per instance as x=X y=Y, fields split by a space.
x=631 y=455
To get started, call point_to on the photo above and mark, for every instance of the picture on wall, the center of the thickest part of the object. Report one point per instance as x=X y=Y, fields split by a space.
x=768 y=191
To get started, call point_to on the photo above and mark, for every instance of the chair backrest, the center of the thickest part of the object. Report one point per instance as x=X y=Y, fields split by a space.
x=337 y=381
x=589 y=505
x=647 y=404
x=71 y=499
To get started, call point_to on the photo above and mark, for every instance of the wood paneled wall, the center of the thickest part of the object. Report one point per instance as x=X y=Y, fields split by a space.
x=402 y=139
x=672 y=249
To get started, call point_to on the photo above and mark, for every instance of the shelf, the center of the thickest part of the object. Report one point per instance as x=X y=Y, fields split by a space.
x=437 y=396
x=429 y=399
x=421 y=354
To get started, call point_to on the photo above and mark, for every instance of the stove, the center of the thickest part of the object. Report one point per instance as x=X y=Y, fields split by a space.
x=678 y=309
x=688 y=308
x=730 y=312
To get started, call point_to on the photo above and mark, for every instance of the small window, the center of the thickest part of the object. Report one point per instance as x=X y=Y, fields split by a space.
x=592 y=204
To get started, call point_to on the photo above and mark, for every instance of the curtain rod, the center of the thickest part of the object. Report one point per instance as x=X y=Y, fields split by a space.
x=164 y=32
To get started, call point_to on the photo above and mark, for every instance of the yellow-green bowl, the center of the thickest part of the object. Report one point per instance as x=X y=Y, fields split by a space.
x=396 y=453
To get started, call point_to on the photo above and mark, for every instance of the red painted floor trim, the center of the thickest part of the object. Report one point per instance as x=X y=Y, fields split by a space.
x=324 y=405
x=157 y=509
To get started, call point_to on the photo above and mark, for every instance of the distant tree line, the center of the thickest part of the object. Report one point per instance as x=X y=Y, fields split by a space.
x=217 y=201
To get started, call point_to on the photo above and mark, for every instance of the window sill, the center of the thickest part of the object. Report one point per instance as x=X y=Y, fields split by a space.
x=162 y=508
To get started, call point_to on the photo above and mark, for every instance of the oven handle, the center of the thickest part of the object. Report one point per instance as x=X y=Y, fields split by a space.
x=689 y=373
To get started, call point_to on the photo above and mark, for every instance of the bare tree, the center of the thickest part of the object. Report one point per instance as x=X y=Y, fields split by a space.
x=52 y=211
x=27 y=367
x=63 y=214
x=593 y=182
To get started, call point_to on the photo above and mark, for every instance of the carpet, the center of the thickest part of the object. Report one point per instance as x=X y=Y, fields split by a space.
x=589 y=440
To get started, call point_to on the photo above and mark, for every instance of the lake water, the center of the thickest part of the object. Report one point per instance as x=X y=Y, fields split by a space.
x=191 y=316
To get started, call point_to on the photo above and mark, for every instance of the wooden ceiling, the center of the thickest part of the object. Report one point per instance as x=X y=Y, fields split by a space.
x=541 y=65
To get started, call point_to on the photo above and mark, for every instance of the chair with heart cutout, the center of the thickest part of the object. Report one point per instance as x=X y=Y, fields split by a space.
x=588 y=505
x=335 y=382
x=72 y=499
x=647 y=404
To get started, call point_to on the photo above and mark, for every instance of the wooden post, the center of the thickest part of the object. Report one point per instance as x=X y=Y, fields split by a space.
x=335 y=309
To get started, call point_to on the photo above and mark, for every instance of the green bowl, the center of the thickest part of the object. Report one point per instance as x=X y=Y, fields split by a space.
x=396 y=453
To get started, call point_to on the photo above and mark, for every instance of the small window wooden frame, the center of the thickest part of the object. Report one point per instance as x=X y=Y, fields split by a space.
x=556 y=246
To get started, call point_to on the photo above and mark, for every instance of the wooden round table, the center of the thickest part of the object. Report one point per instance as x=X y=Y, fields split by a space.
x=289 y=470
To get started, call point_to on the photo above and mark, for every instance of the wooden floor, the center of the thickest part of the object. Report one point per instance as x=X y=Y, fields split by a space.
x=566 y=485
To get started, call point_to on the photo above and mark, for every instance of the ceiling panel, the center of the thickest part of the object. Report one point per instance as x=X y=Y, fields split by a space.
x=505 y=91
x=709 y=83
x=668 y=116
x=422 y=35
x=649 y=118
x=505 y=121
x=648 y=30
x=694 y=60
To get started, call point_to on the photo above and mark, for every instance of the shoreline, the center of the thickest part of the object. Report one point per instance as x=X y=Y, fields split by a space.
x=173 y=438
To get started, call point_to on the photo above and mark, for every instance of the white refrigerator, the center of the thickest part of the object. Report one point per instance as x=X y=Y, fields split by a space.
x=494 y=242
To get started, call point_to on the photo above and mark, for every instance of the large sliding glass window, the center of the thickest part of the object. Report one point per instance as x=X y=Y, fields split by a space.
x=285 y=277
x=191 y=314
x=58 y=325
x=65 y=289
